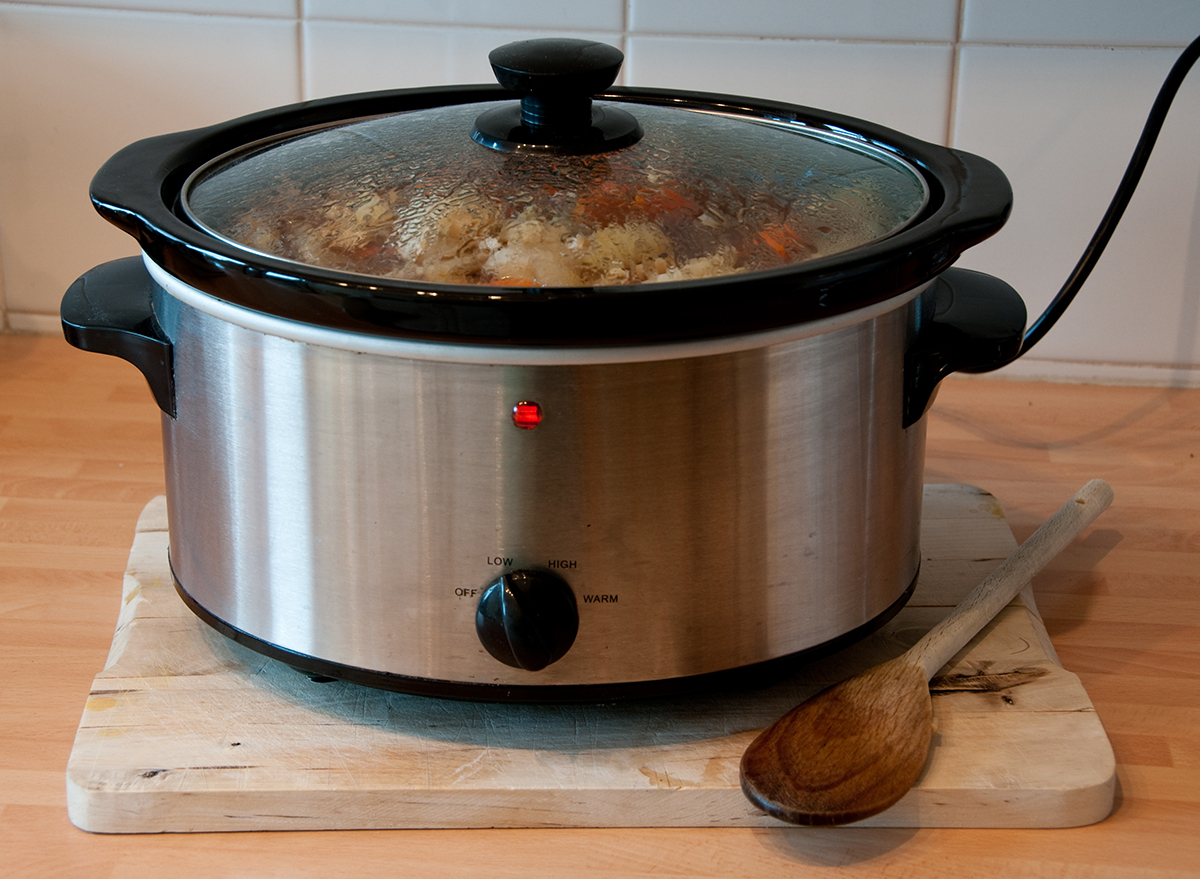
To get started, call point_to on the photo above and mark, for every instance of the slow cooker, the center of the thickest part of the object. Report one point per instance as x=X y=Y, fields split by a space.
x=546 y=390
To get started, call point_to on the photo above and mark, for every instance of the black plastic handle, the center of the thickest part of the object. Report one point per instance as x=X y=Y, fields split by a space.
x=556 y=79
x=110 y=310
x=977 y=324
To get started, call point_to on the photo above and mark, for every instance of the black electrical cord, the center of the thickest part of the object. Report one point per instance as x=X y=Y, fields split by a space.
x=1133 y=173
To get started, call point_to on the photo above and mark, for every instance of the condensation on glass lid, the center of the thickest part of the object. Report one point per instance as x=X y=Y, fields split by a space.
x=412 y=197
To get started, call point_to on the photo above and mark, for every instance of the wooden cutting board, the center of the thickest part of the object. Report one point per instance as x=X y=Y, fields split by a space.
x=186 y=731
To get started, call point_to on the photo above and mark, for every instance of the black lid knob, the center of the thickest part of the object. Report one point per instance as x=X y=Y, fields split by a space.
x=556 y=79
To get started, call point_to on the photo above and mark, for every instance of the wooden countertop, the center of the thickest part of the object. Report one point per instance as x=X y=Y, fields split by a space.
x=80 y=456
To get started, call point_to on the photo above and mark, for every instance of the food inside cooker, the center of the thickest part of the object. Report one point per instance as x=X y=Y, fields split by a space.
x=610 y=234
x=682 y=204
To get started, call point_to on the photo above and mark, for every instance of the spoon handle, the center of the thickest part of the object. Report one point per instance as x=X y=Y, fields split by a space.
x=1000 y=586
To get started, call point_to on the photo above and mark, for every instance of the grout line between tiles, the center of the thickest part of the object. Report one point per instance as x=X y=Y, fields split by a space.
x=68 y=8
x=623 y=78
x=955 y=66
x=448 y=25
x=301 y=53
x=882 y=41
x=747 y=38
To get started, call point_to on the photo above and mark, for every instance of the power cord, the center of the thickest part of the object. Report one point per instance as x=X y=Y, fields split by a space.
x=1133 y=174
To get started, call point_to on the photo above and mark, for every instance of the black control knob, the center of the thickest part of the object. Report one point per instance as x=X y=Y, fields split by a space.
x=556 y=79
x=527 y=619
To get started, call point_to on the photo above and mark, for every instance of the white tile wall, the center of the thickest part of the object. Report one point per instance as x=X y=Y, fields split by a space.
x=902 y=85
x=876 y=20
x=538 y=14
x=354 y=56
x=1054 y=91
x=78 y=84
x=1081 y=22
x=1062 y=122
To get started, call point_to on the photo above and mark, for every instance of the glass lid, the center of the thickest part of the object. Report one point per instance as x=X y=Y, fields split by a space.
x=494 y=194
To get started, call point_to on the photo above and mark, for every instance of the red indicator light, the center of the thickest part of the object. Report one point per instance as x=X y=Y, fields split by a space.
x=527 y=415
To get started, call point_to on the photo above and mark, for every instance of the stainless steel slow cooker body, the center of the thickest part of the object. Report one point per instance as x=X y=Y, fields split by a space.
x=553 y=493
x=710 y=506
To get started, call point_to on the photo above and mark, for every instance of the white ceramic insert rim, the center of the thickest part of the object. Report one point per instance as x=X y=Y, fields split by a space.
x=509 y=355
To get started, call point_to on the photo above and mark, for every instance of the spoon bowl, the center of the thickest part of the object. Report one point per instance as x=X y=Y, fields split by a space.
x=822 y=764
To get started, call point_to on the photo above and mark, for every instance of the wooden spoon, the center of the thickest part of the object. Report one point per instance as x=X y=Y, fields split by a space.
x=855 y=749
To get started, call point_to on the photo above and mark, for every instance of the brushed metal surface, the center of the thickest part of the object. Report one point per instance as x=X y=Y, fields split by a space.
x=709 y=511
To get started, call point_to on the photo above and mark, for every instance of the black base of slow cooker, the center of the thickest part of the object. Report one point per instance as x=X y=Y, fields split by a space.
x=754 y=676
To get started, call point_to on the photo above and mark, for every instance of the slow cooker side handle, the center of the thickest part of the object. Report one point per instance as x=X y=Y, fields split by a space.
x=977 y=324
x=110 y=310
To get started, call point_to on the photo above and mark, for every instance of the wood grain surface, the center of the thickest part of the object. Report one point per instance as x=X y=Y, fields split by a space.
x=80 y=457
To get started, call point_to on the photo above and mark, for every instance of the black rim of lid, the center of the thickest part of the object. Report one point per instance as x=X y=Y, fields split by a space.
x=139 y=190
